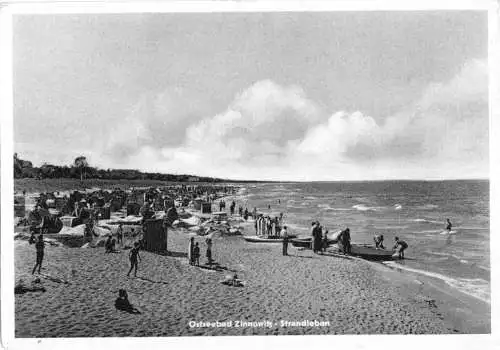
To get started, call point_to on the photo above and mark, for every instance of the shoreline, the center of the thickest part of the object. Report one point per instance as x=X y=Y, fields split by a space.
x=355 y=296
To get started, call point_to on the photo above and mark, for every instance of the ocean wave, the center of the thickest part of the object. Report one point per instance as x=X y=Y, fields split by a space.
x=449 y=255
x=428 y=221
x=427 y=207
x=328 y=207
x=427 y=231
x=362 y=207
x=475 y=287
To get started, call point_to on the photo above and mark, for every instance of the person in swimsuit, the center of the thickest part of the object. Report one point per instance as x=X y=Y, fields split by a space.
x=40 y=247
x=448 y=225
x=209 y=251
x=400 y=247
x=134 y=258
x=379 y=240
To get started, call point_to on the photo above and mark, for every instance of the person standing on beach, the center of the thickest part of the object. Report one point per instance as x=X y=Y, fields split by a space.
x=119 y=234
x=40 y=247
x=316 y=237
x=134 y=258
x=324 y=242
x=344 y=241
x=196 y=254
x=448 y=225
x=209 y=251
x=191 y=251
x=284 y=234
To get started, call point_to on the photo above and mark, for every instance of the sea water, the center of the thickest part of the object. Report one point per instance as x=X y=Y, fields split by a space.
x=415 y=211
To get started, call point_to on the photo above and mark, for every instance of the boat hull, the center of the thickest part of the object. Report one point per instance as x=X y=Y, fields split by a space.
x=370 y=252
x=257 y=239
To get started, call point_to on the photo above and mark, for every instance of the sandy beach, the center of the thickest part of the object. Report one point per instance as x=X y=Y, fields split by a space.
x=349 y=295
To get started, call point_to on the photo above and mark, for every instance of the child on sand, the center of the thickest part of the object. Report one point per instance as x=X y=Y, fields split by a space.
x=122 y=303
x=40 y=246
x=134 y=256
x=119 y=234
x=209 y=251
x=196 y=254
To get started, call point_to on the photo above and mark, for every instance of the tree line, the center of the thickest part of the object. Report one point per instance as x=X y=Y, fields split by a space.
x=80 y=169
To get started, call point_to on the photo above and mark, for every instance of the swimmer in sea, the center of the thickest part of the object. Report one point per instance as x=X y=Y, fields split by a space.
x=448 y=225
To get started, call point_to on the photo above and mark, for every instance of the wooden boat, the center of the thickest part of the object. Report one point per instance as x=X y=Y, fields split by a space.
x=370 y=252
x=305 y=242
x=263 y=239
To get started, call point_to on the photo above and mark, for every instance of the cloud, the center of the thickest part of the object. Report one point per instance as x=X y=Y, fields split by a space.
x=157 y=120
x=449 y=123
x=257 y=127
x=271 y=131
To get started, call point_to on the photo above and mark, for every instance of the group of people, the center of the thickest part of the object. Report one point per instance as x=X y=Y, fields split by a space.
x=399 y=246
x=194 y=252
x=319 y=238
x=268 y=226
x=244 y=213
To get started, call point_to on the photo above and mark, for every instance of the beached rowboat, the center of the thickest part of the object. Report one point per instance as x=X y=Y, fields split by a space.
x=305 y=242
x=259 y=239
x=370 y=252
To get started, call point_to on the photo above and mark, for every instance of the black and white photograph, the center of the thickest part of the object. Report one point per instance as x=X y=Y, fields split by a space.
x=249 y=171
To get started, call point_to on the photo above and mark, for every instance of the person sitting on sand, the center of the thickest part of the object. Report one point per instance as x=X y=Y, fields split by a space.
x=196 y=254
x=134 y=258
x=400 y=247
x=40 y=247
x=232 y=280
x=379 y=240
x=448 y=225
x=122 y=303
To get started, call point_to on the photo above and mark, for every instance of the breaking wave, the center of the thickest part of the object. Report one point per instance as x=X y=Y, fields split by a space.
x=362 y=207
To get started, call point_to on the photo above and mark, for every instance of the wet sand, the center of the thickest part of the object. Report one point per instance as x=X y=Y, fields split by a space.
x=354 y=296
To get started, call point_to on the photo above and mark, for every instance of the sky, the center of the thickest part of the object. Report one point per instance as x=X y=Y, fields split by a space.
x=292 y=96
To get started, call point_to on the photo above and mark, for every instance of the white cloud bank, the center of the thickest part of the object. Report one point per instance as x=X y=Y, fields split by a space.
x=275 y=132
